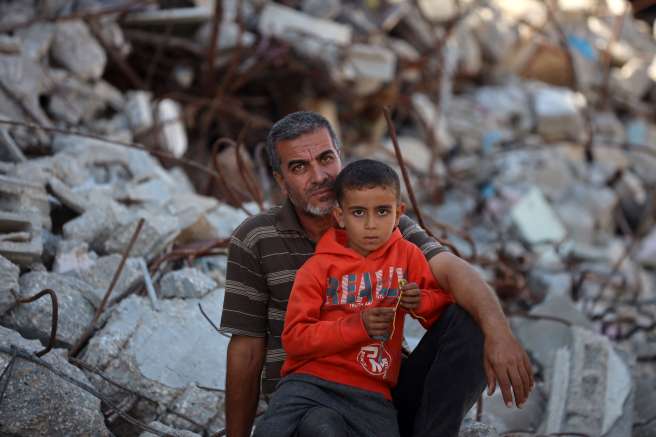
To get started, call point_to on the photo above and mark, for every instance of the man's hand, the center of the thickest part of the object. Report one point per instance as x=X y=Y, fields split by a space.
x=378 y=321
x=507 y=362
x=410 y=296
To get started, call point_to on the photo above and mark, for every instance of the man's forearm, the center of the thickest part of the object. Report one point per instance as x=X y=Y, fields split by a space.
x=245 y=359
x=470 y=291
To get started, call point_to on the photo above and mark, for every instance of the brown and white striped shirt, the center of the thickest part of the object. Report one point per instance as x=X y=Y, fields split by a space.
x=265 y=252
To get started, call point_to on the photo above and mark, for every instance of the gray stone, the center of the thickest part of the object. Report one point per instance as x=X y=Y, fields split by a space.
x=172 y=134
x=645 y=399
x=39 y=403
x=368 y=62
x=170 y=431
x=36 y=39
x=138 y=111
x=72 y=255
x=67 y=196
x=33 y=320
x=647 y=250
x=536 y=220
x=158 y=231
x=171 y=16
x=96 y=225
x=186 y=283
x=161 y=353
x=504 y=419
x=225 y=219
x=99 y=276
x=9 y=150
x=228 y=37
x=8 y=284
x=509 y=105
x=25 y=252
x=76 y=49
x=326 y=9
x=73 y=101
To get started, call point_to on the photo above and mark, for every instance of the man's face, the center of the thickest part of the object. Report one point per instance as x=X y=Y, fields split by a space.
x=309 y=165
x=369 y=216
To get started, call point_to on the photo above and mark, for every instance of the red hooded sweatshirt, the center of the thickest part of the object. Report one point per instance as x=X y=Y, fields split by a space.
x=324 y=334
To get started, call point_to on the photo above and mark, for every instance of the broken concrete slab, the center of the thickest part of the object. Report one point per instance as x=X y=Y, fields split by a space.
x=33 y=320
x=39 y=403
x=36 y=39
x=291 y=25
x=160 y=353
x=433 y=121
x=186 y=283
x=158 y=231
x=9 y=150
x=204 y=404
x=508 y=104
x=75 y=48
x=632 y=81
x=596 y=399
x=645 y=399
x=23 y=251
x=536 y=220
x=96 y=225
x=20 y=196
x=470 y=428
x=230 y=35
x=99 y=276
x=139 y=112
x=558 y=113
x=9 y=273
x=368 y=62
x=67 y=196
x=647 y=250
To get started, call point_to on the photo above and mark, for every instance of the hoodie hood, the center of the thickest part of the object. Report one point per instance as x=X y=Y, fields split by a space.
x=335 y=242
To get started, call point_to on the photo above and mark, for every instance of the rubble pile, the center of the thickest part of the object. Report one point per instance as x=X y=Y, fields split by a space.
x=131 y=145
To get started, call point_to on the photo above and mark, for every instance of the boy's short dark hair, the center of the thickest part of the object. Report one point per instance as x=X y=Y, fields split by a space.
x=366 y=173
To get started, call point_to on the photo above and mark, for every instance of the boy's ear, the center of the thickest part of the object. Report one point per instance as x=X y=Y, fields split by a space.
x=338 y=214
x=281 y=182
x=400 y=210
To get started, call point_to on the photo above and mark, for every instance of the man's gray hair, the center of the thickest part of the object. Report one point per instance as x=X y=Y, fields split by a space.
x=293 y=126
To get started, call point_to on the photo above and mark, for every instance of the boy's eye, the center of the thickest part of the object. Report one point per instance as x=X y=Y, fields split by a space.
x=358 y=212
x=383 y=212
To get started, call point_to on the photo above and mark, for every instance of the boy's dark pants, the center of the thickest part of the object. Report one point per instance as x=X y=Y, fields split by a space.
x=442 y=378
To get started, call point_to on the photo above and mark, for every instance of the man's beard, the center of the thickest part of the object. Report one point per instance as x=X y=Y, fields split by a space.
x=315 y=211
x=318 y=211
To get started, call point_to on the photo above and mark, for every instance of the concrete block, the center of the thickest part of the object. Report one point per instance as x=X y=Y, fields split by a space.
x=186 y=283
x=228 y=37
x=536 y=220
x=291 y=25
x=22 y=243
x=67 y=196
x=76 y=49
x=633 y=79
x=172 y=133
x=22 y=196
x=72 y=255
x=647 y=250
x=158 y=232
x=205 y=405
x=170 y=431
x=369 y=61
x=558 y=113
x=139 y=112
x=96 y=225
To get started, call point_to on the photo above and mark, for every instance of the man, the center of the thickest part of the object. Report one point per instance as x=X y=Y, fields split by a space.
x=443 y=376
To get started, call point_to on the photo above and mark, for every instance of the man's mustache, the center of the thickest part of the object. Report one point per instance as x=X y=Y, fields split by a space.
x=328 y=184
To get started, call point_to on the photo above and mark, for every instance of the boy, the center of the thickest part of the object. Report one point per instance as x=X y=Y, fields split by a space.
x=344 y=321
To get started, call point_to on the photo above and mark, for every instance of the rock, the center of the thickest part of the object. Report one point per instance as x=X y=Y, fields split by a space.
x=504 y=419
x=432 y=121
x=9 y=150
x=632 y=81
x=326 y=9
x=645 y=399
x=38 y=403
x=171 y=16
x=439 y=10
x=170 y=431
x=161 y=353
x=36 y=39
x=509 y=105
x=157 y=232
x=72 y=255
x=20 y=237
x=369 y=62
x=186 y=283
x=225 y=219
x=33 y=320
x=76 y=49
x=8 y=284
x=99 y=276
x=228 y=37
x=558 y=113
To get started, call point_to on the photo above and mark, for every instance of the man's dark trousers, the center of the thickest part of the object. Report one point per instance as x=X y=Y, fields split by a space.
x=442 y=378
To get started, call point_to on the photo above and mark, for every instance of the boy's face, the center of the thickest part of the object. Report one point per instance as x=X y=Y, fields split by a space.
x=369 y=216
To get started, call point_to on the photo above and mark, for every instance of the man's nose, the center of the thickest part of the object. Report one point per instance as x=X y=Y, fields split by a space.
x=317 y=174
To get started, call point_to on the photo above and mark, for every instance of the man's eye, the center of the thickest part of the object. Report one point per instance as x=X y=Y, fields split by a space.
x=298 y=168
x=326 y=159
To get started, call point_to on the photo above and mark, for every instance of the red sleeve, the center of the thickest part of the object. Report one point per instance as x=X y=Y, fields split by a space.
x=305 y=336
x=433 y=298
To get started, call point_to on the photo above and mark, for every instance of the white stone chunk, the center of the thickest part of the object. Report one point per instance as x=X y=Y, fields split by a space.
x=173 y=136
x=76 y=49
x=536 y=220
x=558 y=114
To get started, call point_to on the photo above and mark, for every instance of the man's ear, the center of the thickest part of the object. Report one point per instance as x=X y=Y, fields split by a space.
x=400 y=210
x=281 y=182
x=338 y=214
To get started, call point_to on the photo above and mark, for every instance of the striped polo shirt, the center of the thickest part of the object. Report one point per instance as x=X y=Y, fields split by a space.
x=265 y=252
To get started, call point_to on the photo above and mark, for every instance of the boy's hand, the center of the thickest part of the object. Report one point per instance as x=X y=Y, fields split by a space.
x=410 y=296
x=378 y=321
